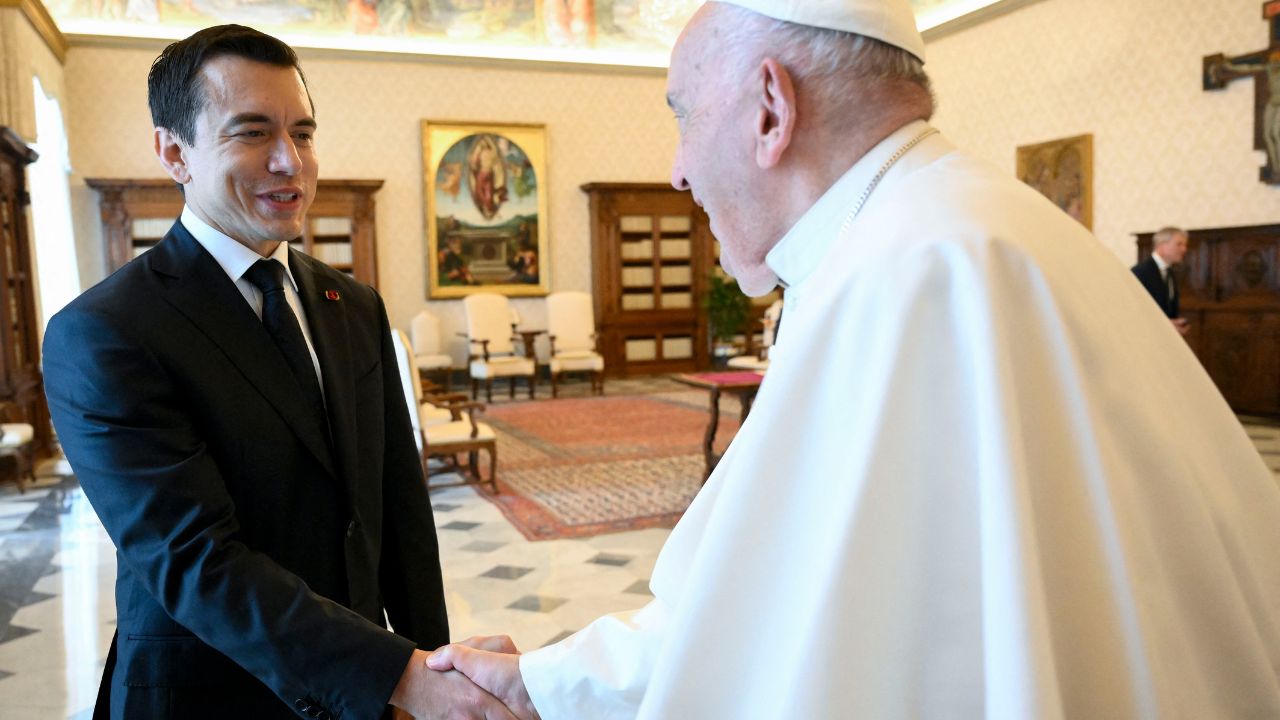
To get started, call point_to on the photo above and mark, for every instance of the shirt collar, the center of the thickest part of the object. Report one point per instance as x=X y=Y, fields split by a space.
x=233 y=257
x=1160 y=263
x=800 y=251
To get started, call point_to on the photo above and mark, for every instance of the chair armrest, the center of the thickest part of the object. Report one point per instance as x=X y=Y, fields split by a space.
x=484 y=349
x=443 y=400
x=552 y=338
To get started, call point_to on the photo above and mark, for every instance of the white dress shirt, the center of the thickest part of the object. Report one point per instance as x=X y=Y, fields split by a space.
x=235 y=259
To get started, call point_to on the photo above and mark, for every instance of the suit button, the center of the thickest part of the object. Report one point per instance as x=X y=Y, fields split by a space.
x=301 y=705
x=324 y=715
x=351 y=529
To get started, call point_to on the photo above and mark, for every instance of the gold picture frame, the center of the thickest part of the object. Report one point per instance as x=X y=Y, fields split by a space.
x=486 y=209
x=1062 y=170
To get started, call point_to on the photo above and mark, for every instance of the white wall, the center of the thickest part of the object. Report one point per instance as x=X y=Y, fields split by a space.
x=1165 y=151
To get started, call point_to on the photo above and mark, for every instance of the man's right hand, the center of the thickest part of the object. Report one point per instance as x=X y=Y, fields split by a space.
x=497 y=672
x=430 y=695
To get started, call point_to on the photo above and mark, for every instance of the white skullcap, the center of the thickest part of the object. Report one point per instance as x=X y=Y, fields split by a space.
x=889 y=21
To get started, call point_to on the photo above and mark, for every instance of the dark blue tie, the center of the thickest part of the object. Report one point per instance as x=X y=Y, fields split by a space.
x=281 y=323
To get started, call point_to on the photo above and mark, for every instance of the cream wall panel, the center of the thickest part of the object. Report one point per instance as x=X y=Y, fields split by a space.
x=24 y=55
x=601 y=126
x=1165 y=151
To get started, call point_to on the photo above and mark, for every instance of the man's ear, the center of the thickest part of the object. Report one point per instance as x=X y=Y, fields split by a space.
x=776 y=114
x=172 y=153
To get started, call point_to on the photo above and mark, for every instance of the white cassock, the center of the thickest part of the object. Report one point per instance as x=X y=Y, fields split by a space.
x=984 y=478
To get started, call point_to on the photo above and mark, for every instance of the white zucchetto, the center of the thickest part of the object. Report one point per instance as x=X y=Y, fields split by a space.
x=889 y=21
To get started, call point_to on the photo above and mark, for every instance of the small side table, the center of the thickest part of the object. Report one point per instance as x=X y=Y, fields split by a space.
x=743 y=384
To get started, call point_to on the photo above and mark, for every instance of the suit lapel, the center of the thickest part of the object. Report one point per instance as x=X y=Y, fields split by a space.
x=197 y=287
x=327 y=317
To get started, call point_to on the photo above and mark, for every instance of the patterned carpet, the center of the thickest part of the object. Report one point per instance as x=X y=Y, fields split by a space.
x=578 y=467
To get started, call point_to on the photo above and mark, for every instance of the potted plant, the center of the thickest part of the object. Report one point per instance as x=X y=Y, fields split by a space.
x=727 y=311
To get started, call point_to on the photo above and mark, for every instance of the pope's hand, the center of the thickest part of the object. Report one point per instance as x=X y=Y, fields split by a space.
x=423 y=693
x=497 y=672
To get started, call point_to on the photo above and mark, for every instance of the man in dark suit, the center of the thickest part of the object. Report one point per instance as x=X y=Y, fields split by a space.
x=233 y=411
x=1155 y=273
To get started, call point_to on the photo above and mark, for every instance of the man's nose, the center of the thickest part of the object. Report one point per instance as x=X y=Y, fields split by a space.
x=284 y=159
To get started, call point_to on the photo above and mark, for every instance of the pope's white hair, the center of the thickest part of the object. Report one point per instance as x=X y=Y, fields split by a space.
x=832 y=63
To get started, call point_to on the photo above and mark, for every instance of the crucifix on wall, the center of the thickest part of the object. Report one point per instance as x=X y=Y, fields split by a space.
x=1264 y=67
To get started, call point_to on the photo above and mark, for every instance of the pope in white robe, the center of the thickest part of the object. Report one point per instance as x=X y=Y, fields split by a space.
x=983 y=478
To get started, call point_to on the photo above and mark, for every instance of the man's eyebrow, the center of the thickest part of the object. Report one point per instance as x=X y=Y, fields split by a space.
x=247 y=118
x=250 y=118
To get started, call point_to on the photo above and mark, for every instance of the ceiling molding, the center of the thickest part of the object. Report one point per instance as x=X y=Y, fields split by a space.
x=964 y=22
x=44 y=25
x=125 y=42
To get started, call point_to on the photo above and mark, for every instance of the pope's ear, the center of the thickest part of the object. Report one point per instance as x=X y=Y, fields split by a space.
x=775 y=117
x=172 y=153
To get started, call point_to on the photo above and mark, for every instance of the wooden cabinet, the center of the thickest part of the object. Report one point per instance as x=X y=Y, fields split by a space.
x=1230 y=287
x=651 y=250
x=339 y=230
x=20 y=379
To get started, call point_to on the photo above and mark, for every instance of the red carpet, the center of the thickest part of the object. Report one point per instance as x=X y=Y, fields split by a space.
x=586 y=466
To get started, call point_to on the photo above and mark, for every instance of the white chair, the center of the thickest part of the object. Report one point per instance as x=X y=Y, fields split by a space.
x=424 y=330
x=441 y=431
x=15 y=442
x=759 y=361
x=493 y=350
x=571 y=327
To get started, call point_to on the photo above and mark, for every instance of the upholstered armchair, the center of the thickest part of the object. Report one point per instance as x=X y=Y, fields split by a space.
x=493 y=349
x=428 y=356
x=571 y=327
x=759 y=360
x=444 y=425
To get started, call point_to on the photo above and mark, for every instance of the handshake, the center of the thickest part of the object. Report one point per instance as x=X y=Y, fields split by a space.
x=476 y=678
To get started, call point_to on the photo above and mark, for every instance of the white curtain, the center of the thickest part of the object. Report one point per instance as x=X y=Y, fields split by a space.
x=53 y=247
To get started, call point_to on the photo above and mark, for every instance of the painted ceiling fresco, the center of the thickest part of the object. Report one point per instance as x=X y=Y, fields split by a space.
x=614 y=32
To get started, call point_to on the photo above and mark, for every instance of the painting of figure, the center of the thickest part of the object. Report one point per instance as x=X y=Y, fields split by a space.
x=1062 y=170
x=486 y=211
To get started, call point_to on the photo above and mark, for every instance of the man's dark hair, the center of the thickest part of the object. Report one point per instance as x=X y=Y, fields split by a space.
x=175 y=90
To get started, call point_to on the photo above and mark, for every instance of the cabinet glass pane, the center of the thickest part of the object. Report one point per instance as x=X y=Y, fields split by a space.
x=677 y=300
x=642 y=349
x=674 y=223
x=638 y=250
x=677 y=275
x=677 y=348
x=675 y=248
x=635 y=224
x=637 y=302
x=336 y=254
x=331 y=226
x=150 y=228
x=637 y=277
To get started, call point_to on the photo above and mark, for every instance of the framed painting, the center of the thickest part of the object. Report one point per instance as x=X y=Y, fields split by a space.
x=1062 y=170
x=486 y=209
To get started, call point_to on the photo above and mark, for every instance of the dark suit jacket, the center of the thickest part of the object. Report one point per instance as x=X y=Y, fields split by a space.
x=1148 y=273
x=255 y=555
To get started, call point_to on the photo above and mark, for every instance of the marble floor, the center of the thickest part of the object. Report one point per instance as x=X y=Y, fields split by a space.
x=57 y=569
